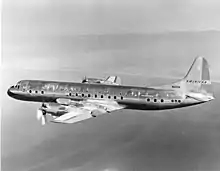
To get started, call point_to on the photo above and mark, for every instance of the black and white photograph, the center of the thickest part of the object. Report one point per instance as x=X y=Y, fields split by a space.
x=110 y=85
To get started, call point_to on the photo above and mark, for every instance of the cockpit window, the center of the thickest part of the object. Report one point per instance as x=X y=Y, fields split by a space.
x=21 y=85
x=17 y=86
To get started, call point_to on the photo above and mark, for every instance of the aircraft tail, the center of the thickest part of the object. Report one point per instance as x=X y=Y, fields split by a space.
x=197 y=80
x=114 y=80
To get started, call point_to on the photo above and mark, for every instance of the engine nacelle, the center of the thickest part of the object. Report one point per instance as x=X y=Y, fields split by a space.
x=63 y=101
x=54 y=109
x=97 y=112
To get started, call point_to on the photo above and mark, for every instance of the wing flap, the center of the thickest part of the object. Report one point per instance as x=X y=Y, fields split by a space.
x=73 y=119
x=76 y=115
x=107 y=105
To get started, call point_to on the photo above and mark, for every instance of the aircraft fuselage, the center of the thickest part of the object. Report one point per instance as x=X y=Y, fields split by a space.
x=131 y=97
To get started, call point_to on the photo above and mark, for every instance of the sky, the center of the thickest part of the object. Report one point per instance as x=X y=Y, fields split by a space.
x=68 y=17
x=36 y=32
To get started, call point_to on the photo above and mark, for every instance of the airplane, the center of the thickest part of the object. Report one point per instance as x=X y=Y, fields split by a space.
x=115 y=80
x=70 y=102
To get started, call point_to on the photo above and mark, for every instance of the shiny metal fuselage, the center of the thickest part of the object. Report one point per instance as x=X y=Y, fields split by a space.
x=131 y=97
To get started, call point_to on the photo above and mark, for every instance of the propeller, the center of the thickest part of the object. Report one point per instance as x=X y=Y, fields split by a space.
x=41 y=115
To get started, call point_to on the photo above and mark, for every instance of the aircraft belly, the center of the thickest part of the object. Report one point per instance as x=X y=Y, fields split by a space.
x=151 y=106
x=34 y=98
x=141 y=104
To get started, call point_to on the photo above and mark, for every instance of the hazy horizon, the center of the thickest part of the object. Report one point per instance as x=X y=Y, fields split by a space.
x=139 y=53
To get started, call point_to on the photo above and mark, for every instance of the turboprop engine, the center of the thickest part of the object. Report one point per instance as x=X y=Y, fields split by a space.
x=97 y=112
x=55 y=110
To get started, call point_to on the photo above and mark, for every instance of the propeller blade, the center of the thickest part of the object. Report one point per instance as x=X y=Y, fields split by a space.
x=39 y=114
x=43 y=119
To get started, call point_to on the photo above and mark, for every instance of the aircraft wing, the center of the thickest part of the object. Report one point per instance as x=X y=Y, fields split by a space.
x=107 y=105
x=72 y=117
x=87 y=109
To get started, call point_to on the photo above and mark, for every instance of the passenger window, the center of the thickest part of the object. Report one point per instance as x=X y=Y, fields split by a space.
x=148 y=100
x=82 y=95
x=30 y=91
x=121 y=98
x=89 y=95
x=179 y=101
x=95 y=95
x=109 y=97
x=36 y=91
x=101 y=96
x=42 y=92
x=115 y=97
x=162 y=100
x=76 y=94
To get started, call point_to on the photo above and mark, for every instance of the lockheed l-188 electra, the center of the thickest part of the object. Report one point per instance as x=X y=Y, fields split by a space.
x=71 y=102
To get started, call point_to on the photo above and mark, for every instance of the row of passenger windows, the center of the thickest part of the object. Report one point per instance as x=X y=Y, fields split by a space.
x=36 y=91
x=162 y=100
x=175 y=101
x=96 y=96
x=82 y=95
x=109 y=97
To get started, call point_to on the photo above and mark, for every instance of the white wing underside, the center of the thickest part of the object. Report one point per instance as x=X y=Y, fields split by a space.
x=87 y=109
x=72 y=117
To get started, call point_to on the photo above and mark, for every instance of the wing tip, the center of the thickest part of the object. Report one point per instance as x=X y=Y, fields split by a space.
x=61 y=122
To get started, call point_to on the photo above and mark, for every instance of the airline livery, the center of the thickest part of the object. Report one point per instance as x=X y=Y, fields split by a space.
x=70 y=102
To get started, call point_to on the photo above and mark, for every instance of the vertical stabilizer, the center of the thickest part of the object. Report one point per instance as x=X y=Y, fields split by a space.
x=113 y=80
x=199 y=70
x=197 y=80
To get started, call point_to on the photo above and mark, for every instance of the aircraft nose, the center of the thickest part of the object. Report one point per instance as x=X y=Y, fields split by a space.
x=9 y=92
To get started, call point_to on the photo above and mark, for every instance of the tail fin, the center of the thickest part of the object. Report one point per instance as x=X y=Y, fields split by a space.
x=199 y=70
x=113 y=80
x=197 y=80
